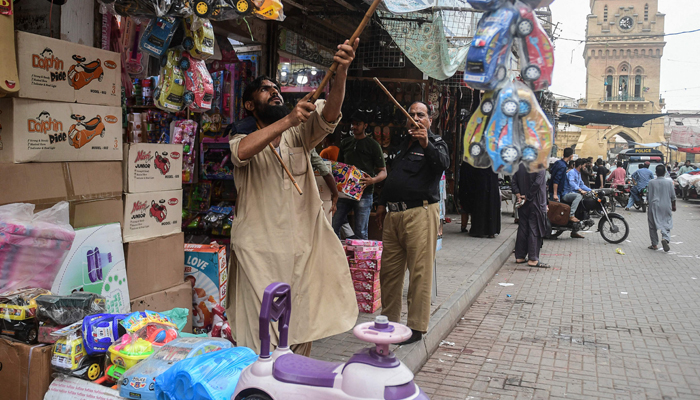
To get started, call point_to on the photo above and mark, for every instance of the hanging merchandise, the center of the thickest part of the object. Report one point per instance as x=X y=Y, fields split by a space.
x=199 y=89
x=215 y=161
x=538 y=132
x=535 y=49
x=136 y=64
x=199 y=37
x=474 y=138
x=168 y=95
x=268 y=9
x=184 y=132
x=159 y=32
x=502 y=133
x=487 y=5
x=148 y=8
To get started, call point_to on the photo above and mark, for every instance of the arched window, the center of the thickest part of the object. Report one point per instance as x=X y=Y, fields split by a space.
x=638 y=83
x=608 y=87
x=623 y=82
x=605 y=13
x=646 y=12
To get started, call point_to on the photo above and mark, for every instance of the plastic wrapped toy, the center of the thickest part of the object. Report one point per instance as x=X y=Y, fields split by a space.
x=100 y=331
x=32 y=246
x=18 y=313
x=139 y=381
x=502 y=138
x=537 y=133
x=474 y=138
x=65 y=310
x=159 y=32
x=69 y=355
x=199 y=89
x=209 y=376
x=149 y=8
x=537 y=61
x=199 y=37
x=168 y=95
x=185 y=132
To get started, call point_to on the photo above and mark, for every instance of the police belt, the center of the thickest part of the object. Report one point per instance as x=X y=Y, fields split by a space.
x=405 y=205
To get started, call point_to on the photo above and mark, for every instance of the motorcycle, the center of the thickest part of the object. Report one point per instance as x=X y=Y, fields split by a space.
x=91 y=70
x=621 y=193
x=612 y=226
x=79 y=138
x=642 y=204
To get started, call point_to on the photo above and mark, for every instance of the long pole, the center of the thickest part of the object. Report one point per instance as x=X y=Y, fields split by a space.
x=358 y=32
x=289 y=174
x=397 y=104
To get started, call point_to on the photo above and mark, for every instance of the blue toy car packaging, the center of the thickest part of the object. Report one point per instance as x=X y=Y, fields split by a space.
x=100 y=331
x=157 y=36
x=486 y=5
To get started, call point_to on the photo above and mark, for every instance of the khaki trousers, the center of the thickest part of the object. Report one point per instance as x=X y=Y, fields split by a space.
x=409 y=239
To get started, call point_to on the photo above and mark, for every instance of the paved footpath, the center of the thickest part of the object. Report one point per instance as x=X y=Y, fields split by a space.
x=598 y=325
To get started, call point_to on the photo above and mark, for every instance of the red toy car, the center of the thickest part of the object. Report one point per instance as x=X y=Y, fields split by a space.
x=87 y=72
x=199 y=87
x=159 y=212
x=537 y=63
x=162 y=163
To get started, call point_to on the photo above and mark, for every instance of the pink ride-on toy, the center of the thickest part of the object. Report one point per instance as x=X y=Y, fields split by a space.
x=371 y=373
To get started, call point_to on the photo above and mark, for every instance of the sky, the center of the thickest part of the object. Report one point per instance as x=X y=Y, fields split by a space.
x=679 y=65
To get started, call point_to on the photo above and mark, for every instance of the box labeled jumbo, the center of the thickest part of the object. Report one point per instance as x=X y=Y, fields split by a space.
x=58 y=70
x=43 y=131
x=95 y=264
x=206 y=270
x=152 y=214
x=151 y=167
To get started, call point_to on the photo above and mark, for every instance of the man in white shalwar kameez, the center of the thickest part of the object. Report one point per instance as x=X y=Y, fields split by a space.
x=278 y=235
x=662 y=204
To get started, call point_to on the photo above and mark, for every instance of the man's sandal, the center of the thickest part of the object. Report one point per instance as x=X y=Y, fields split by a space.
x=540 y=265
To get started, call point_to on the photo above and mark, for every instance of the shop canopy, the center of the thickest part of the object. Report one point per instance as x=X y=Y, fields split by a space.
x=576 y=116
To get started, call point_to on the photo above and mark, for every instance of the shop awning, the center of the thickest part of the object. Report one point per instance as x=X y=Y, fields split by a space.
x=576 y=116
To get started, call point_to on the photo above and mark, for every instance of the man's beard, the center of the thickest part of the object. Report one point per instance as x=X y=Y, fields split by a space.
x=270 y=114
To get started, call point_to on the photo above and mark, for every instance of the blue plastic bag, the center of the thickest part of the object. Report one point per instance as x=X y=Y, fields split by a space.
x=212 y=376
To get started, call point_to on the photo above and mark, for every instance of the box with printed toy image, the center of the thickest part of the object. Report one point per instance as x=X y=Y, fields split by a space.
x=348 y=179
x=152 y=214
x=150 y=167
x=95 y=264
x=206 y=270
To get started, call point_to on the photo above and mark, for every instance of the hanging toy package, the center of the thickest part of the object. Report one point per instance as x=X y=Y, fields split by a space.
x=184 y=132
x=159 y=32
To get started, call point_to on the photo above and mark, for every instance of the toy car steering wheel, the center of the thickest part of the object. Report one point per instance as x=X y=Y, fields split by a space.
x=382 y=333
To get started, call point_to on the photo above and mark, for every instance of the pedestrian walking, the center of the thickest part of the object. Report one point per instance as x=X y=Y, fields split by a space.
x=532 y=225
x=662 y=205
x=409 y=200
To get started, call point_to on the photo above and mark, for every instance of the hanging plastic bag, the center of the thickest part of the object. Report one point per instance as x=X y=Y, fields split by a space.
x=474 y=138
x=269 y=10
x=537 y=131
x=185 y=132
x=159 y=32
x=535 y=48
x=33 y=246
x=209 y=376
x=503 y=134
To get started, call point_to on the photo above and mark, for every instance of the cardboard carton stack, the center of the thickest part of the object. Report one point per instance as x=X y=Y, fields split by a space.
x=365 y=261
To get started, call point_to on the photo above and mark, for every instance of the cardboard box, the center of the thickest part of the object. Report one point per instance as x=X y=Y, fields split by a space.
x=206 y=269
x=93 y=189
x=366 y=264
x=368 y=297
x=152 y=167
x=43 y=131
x=52 y=69
x=369 y=307
x=178 y=296
x=26 y=370
x=155 y=264
x=152 y=214
x=366 y=286
x=95 y=264
x=367 y=253
x=365 y=275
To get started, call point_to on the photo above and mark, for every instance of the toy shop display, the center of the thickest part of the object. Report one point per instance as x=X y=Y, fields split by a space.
x=199 y=37
x=152 y=214
x=347 y=177
x=199 y=89
x=207 y=270
x=215 y=161
x=66 y=310
x=185 y=132
x=158 y=34
x=95 y=264
x=168 y=94
x=139 y=381
x=33 y=246
x=216 y=10
x=69 y=356
x=153 y=167
x=509 y=128
x=100 y=331
x=18 y=313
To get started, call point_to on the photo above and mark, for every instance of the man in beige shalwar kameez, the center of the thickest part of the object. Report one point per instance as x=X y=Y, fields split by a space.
x=278 y=235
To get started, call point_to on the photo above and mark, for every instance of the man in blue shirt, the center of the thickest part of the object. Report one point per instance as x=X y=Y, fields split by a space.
x=640 y=179
x=575 y=188
x=558 y=172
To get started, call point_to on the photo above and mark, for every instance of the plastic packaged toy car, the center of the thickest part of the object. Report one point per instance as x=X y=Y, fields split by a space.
x=139 y=381
x=537 y=62
x=474 y=138
x=147 y=8
x=199 y=87
x=486 y=5
x=69 y=355
x=65 y=310
x=502 y=131
x=222 y=10
x=168 y=95
x=157 y=36
x=537 y=130
x=490 y=49
x=100 y=331
x=199 y=37
x=18 y=313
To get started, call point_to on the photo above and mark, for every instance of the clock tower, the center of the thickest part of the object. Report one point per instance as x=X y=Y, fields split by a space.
x=624 y=46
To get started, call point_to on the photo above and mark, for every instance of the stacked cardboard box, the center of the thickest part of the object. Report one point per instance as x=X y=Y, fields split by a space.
x=365 y=261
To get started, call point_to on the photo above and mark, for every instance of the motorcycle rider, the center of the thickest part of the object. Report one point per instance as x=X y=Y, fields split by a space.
x=640 y=180
x=558 y=172
x=575 y=188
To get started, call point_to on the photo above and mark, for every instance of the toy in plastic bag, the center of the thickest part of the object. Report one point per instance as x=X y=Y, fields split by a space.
x=199 y=87
x=168 y=95
x=486 y=5
x=219 y=10
x=69 y=355
x=537 y=60
x=159 y=32
x=537 y=131
x=220 y=326
x=139 y=381
x=474 y=138
x=199 y=37
x=185 y=131
x=269 y=9
x=33 y=246
x=209 y=376
x=146 y=331
x=503 y=141
x=100 y=331
x=136 y=63
x=148 y=8
x=65 y=310
x=18 y=312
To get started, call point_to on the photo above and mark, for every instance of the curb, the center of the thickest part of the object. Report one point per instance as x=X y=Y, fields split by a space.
x=446 y=317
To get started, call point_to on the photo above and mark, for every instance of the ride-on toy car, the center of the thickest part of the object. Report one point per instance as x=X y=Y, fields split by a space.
x=79 y=78
x=80 y=137
x=158 y=211
x=199 y=87
x=502 y=131
x=490 y=48
x=168 y=95
x=371 y=373
x=18 y=314
x=199 y=38
x=474 y=139
x=537 y=62
x=537 y=130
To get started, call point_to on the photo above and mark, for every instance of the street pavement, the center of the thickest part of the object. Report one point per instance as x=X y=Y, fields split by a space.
x=598 y=325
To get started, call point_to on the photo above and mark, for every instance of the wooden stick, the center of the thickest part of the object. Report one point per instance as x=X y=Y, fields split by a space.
x=397 y=104
x=334 y=67
x=289 y=174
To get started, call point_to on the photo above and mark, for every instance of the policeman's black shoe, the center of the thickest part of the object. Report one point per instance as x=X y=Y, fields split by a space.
x=415 y=337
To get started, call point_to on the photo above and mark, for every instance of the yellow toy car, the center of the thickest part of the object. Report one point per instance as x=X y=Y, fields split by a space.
x=69 y=356
x=169 y=94
x=474 y=145
x=537 y=131
x=199 y=37
x=18 y=314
